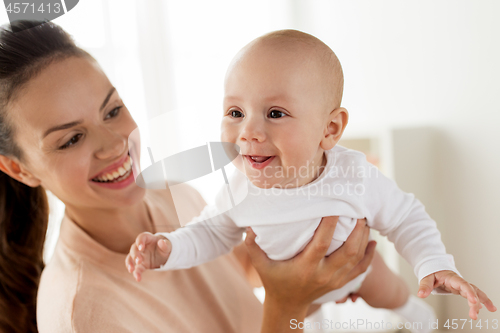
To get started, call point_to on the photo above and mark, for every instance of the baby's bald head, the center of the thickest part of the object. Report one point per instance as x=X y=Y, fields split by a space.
x=301 y=49
x=282 y=97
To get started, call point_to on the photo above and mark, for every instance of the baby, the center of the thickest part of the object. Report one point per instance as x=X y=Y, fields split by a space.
x=282 y=108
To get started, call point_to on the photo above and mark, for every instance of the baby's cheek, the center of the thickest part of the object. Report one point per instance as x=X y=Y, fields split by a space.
x=238 y=163
x=228 y=133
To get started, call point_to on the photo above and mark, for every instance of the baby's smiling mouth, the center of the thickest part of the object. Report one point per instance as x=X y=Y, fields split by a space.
x=259 y=159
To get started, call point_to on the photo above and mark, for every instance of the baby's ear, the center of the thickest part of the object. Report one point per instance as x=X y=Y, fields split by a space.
x=336 y=123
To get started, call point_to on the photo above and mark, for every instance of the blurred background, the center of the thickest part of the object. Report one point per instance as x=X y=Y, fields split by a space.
x=422 y=80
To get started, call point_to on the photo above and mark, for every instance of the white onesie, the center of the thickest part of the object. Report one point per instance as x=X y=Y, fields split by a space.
x=284 y=220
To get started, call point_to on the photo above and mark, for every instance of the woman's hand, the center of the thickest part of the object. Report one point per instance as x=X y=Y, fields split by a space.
x=291 y=285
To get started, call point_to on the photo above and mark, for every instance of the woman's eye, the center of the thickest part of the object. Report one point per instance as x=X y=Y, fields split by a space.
x=113 y=113
x=276 y=114
x=236 y=114
x=71 y=141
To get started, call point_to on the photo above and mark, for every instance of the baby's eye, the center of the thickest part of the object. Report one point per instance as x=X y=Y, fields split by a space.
x=236 y=114
x=276 y=114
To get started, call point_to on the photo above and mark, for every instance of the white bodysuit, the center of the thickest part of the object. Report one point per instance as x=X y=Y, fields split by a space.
x=284 y=220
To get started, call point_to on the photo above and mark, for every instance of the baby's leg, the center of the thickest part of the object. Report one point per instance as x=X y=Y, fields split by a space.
x=382 y=288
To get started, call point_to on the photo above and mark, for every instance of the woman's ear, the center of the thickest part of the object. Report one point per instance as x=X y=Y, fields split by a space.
x=17 y=171
x=336 y=123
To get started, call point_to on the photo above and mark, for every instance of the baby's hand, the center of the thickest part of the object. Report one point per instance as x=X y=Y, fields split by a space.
x=452 y=282
x=148 y=252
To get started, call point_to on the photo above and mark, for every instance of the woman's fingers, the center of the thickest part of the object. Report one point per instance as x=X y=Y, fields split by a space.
x=351 y=252
x=256 y=254
x=354 y=297
x=363 y=264
x=364 y=238
x=343 y=300
x=319 y=244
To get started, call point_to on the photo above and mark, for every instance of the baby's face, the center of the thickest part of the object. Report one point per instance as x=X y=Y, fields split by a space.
x=276 y=112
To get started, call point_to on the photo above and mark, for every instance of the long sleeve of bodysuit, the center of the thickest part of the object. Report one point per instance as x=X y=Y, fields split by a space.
x=403 y=219
x=203 y=239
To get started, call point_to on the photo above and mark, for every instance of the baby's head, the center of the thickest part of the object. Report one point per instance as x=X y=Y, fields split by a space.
x=282 y=97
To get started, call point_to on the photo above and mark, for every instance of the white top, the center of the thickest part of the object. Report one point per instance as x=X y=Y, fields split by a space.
x=284 y=220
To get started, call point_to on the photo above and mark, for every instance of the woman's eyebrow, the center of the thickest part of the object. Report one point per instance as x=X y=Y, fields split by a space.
x=107 y=98
x=74 y=123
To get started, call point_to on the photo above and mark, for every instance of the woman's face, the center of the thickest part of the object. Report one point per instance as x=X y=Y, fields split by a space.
x=73 y=128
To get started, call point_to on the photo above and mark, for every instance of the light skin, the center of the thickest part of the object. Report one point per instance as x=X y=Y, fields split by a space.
x=275 y=107
x=76 y=91
x=69 y=91
x=282 y=108
x=314 y=273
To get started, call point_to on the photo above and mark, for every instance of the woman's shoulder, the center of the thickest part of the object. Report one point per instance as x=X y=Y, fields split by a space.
x=56 y=292
x=74 y=296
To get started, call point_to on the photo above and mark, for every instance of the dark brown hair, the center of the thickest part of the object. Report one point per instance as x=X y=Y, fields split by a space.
x=26 y=48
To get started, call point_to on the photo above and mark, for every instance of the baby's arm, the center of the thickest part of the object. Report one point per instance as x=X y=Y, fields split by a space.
x=203 y=239
x=403 y=219
x=206 y=237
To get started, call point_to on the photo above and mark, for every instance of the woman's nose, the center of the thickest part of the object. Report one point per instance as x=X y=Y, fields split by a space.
x=112 y=144
x=253 y=131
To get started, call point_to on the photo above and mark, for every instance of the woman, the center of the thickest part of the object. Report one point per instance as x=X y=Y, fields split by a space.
x=62 y=127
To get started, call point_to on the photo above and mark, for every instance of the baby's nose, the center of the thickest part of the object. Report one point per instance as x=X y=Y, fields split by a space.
x=253 y=131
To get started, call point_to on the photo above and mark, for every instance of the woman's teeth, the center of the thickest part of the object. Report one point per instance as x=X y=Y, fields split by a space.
x=119 y=174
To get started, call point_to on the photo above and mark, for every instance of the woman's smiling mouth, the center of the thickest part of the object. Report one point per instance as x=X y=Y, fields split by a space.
x=117 y=175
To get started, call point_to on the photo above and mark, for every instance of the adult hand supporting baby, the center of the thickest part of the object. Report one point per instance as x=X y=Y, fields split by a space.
x=291 y=285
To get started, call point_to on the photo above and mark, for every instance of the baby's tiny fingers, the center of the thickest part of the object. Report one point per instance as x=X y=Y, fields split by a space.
x=133 y=251
x=426 y=286
x=473 y=309
x=465 y=289
x=142 y=240
x=139 y=269
x=138 y=259
x=129 y=263
x=137 y=276
x=473 y=314
x=164 y=246
x=483 y=298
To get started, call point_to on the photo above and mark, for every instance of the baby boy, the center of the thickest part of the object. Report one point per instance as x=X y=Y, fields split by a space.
x=282 y=108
